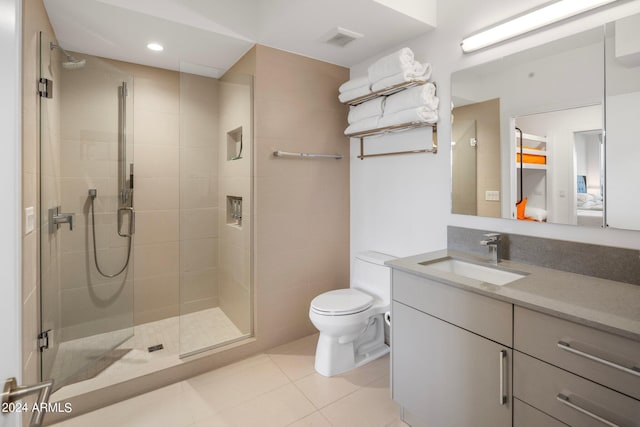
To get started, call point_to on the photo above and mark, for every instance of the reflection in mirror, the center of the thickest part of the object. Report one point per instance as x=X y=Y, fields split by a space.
x=534 y=112
x=463 y=151
x=623 y=110
x=547 y=172
x=477 y=168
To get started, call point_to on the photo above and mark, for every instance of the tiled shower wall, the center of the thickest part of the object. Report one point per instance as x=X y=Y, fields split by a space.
x=200 y=207
x=90 y=304
x=174 y=126
x=236 y=116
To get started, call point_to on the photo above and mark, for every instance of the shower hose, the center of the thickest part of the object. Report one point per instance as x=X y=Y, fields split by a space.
x=95 y=251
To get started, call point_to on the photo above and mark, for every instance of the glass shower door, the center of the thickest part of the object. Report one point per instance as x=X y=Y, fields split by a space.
x=86 y=213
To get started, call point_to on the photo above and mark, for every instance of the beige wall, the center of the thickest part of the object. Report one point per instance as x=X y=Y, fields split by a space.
x=487 y=117
x=302 y=206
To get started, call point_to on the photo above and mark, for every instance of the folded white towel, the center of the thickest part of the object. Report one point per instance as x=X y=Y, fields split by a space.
x=356 y=83
x=366 y=109
x=389 y=65
x=365 y=124
x=354 y=93
x=419 y=96
x=419 y=114
x=417 y=72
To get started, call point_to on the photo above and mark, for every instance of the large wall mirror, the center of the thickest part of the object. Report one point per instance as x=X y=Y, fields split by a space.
x=528 y=132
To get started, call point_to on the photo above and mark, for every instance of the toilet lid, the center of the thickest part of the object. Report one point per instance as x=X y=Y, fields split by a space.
x=341 y=302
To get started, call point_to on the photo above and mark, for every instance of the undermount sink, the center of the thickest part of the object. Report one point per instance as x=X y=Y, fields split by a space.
x=474 y=271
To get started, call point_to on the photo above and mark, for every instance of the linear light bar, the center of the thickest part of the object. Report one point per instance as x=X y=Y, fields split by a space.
x=529 y=21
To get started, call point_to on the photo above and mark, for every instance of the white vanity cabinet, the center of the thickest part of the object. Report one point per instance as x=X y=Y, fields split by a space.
x=445 y=372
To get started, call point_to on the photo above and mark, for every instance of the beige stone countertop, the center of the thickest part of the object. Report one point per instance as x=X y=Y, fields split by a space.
x=603 y=304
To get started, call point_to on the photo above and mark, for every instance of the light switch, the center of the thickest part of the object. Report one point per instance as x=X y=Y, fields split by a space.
x=493 y=196
x=29 y=219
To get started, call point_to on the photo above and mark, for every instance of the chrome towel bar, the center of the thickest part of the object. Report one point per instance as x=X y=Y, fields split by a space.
x=306 y=155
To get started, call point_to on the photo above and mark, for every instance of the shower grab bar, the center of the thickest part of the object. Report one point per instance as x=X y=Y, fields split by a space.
x=307 y=155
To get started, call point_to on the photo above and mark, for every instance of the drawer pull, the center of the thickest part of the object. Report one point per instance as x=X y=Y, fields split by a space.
x=567 y=347
x=503 y=377
x=565 y=401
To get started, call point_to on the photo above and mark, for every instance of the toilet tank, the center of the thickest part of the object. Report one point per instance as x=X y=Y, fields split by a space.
x=371 y=275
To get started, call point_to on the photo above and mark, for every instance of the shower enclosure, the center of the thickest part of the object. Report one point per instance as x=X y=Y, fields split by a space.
x=146 y=214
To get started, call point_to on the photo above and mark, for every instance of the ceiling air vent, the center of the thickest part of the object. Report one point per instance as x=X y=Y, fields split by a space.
x=341 y=37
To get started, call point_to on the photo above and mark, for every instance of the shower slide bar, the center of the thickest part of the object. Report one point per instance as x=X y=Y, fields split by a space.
x=125 y=192
x=306 y=155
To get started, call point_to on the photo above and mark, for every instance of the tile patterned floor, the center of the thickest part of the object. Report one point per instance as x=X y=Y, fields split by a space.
x=277 y=388
x=178 y=335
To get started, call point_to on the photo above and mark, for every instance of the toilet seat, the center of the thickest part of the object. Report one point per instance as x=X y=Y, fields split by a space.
x=341 y=302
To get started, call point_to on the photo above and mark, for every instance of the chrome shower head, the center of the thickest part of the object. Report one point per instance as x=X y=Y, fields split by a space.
x=72 y=63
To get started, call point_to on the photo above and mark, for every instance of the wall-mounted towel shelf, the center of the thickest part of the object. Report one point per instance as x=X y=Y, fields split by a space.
x=306 y=155
x=393 y=128
x=386 y=91
x=397 y=128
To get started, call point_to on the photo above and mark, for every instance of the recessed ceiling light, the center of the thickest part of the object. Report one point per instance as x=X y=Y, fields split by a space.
x=155 y=46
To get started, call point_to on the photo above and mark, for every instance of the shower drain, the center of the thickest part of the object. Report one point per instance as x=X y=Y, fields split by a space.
x=155 y=348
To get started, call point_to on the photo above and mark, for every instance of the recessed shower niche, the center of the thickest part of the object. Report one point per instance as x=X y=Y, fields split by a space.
x=234 y=211
x=234 y=144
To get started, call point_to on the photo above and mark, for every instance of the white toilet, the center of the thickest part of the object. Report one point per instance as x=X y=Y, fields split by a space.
x=351 y=321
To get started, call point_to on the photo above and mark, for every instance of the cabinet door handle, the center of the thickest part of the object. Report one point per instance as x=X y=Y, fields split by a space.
x=565 y=401
x=634 y=370
x=503 y=377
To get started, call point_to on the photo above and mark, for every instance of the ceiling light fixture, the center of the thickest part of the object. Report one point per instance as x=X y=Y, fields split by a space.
x=529 y=21
x=157 y=47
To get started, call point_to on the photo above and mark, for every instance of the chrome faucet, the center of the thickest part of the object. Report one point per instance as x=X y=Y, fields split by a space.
x=492 y=241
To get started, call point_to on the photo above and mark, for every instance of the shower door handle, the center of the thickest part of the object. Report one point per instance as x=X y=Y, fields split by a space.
x=12 y=392
x=132 y=221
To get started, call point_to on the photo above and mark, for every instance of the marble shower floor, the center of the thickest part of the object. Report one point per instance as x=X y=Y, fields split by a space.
x=178 y=335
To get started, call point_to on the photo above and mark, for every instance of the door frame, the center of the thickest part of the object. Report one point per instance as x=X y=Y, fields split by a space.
x=11 y=196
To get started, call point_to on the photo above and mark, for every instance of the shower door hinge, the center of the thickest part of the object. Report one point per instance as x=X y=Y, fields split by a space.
x=45 y=88
x=43 y=340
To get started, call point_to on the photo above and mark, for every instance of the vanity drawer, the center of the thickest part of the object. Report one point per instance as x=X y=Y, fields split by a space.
x=528 y=416
x=570 y=398
x=605 y=358
x=476 y=313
